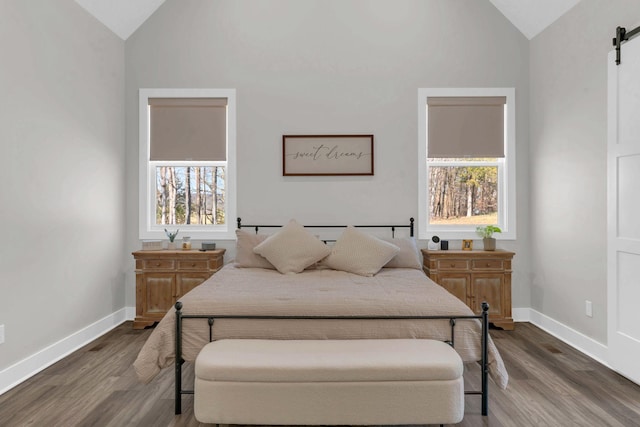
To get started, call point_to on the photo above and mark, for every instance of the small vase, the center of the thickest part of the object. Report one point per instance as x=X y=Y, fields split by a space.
x=171 y=245
x=489 y=244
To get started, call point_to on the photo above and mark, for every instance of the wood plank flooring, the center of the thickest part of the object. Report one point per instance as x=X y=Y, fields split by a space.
x=551 y=384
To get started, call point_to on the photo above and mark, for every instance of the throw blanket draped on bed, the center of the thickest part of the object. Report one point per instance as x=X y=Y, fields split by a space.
x=257 y=292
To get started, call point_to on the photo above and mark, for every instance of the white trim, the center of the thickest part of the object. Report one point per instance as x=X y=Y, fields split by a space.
x=566 y=334
x=146 y=198
x=508 y=223
x=521 y=314
x=130 y=313
x=37 y=362
x=612 y=200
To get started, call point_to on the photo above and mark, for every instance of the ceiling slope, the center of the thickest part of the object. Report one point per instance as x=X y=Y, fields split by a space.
x=531 y=17
x=124 y=17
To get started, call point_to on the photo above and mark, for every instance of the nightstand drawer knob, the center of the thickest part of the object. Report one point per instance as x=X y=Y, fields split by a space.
x=488 y=264
x=453 y=264
x=193 y=264
x=157 y=264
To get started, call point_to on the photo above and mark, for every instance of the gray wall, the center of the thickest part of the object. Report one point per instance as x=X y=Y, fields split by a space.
x=62 y=175
x=328 y=66
x=568 y=153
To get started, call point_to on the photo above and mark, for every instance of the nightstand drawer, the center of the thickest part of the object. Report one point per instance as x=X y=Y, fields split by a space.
x=158 y=264
x=487 y=264
x=453 y=264
x=193 y=264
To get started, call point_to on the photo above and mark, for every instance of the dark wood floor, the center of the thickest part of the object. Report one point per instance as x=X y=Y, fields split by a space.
x=551 y=384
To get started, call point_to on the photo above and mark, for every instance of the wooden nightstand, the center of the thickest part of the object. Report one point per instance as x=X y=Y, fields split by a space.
x=162 y=277
x=474 y=277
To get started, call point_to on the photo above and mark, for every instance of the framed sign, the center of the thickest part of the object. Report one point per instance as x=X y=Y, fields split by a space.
x=467 y=245
x=314 y=155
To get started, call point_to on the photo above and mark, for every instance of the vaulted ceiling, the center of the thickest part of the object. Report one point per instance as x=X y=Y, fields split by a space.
x=533 y=16
x=124 y=17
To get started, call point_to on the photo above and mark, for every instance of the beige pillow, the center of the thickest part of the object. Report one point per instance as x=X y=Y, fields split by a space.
x=360 y=253
x=292 y=249
x=245 y=257
x=409 y=255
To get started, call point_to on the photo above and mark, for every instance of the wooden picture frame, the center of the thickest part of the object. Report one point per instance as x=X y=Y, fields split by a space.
x=333 y=155
x=467 y=245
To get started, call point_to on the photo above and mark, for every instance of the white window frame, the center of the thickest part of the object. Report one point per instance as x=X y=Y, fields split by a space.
x=506 y=167
x=148 y=229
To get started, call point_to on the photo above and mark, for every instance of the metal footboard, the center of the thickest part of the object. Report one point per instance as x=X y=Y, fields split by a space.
x=483 y=317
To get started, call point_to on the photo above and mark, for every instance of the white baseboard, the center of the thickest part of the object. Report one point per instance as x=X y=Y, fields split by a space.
x=575 y=339
x=26 y=368
x=521 y=314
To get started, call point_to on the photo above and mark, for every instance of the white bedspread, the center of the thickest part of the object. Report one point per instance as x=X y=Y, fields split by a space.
x=254 y=291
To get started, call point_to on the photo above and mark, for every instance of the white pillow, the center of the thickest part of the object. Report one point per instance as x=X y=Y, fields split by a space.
x=245 y=257
x=292 y=249
x=360 y=253
x=409 y=255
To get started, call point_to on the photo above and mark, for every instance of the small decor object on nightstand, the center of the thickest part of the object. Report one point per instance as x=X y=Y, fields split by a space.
x=152 y=245
x=208 y=246
x=186 y=243
x=467 y=245
x=434 y=243
x=486 y=232
x=172 y=238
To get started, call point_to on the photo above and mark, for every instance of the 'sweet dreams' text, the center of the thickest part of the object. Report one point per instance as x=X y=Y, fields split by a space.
x=324 y=152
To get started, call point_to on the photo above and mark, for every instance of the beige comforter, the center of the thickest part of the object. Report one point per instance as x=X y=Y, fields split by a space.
x=254 y=291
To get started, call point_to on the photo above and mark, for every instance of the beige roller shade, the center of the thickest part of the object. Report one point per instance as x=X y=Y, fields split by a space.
x=188 y=129
x=462 y=127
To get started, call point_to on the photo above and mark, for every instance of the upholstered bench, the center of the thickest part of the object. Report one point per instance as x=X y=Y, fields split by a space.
x=328 y=382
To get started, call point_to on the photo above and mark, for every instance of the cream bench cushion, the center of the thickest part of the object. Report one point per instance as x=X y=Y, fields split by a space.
x=328 y=382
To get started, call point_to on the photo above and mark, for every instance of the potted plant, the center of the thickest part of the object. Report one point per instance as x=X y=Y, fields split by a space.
x=172 y=237
x=486 y=232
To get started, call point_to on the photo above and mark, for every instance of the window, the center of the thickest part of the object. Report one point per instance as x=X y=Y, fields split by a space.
x=187 y=162
x=466 y=161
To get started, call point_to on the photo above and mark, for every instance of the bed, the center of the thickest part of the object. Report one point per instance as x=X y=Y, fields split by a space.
x=246 y=299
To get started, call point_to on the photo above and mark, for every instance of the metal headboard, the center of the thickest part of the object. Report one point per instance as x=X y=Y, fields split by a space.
x=391 y=226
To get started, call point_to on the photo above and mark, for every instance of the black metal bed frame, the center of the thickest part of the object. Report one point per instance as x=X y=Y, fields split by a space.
x=483 y=317
x=410 y=226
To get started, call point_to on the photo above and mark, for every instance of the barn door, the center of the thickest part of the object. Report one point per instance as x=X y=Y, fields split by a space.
x=623 y=211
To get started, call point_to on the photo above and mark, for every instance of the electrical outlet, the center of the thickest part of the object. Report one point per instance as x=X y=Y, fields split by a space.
x=588 y=308
x=1 y=334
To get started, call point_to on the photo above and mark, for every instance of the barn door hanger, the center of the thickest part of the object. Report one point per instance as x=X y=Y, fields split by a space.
x=622 y=36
